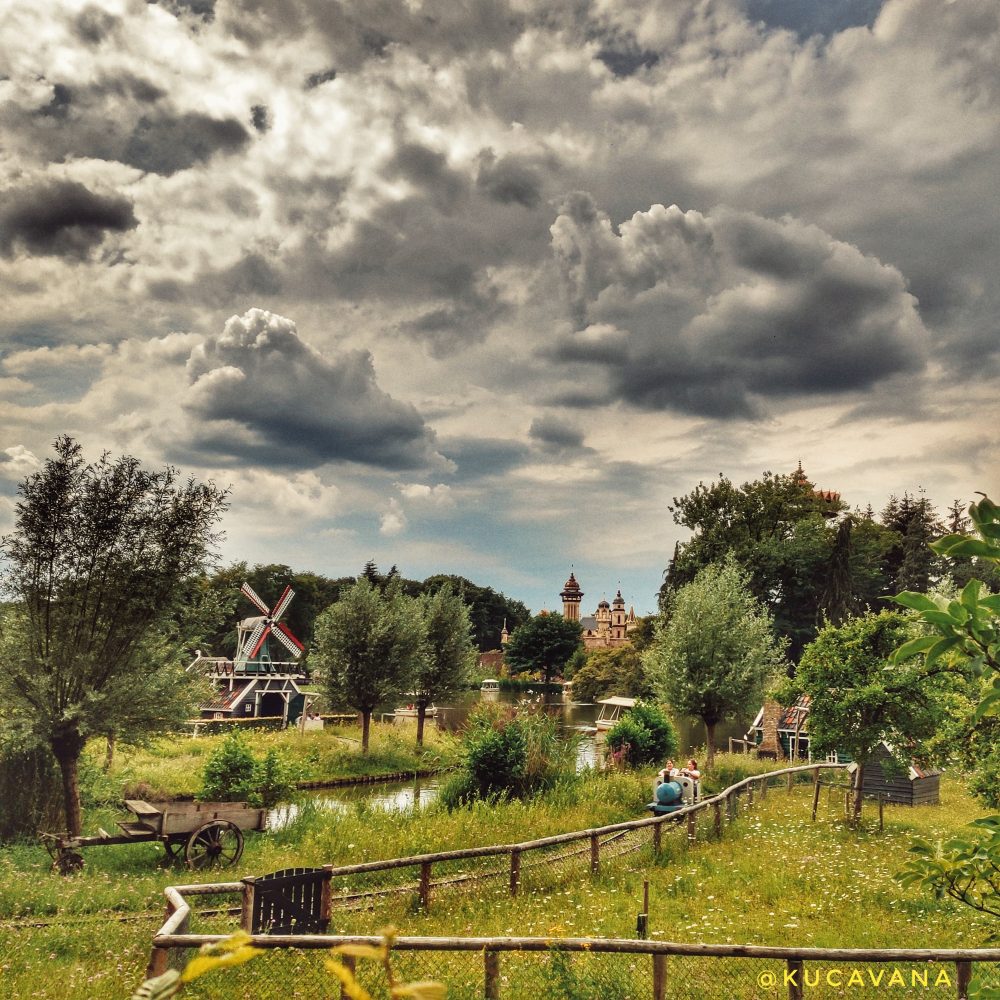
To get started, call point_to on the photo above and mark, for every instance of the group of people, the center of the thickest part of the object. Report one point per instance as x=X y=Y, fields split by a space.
x=670 y=771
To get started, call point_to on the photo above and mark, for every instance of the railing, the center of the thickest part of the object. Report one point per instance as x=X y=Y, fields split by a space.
x=585 y=848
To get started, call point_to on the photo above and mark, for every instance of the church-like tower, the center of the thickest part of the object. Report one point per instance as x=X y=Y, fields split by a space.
x=571 y=596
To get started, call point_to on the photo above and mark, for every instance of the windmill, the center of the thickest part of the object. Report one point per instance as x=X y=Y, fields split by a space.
x=253 y=633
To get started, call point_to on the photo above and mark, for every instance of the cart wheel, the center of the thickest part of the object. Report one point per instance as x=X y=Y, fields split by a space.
x=68 y=863
x=51 y=843
x=219 y=842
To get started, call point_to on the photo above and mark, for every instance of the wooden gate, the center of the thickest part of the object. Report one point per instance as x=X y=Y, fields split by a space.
x=292 y=901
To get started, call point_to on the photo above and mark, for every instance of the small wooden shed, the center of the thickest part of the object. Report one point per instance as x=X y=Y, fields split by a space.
x=916 y=786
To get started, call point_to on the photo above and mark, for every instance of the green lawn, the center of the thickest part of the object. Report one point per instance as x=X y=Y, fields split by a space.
x=775 y=878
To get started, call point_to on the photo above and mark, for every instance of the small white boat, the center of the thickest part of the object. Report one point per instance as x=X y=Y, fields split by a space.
x=611 y=711
x=410 y=712
x=490 y=689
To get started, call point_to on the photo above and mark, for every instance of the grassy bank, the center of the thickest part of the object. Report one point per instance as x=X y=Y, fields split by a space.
x=776 y=878
x=172 y=765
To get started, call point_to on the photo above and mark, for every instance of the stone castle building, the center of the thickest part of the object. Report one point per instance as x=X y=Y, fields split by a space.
x=608 y=626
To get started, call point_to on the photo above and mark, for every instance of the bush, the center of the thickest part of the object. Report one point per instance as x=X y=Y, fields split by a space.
x=30 y=790
x=508 y=751
x=646 y=732
x=233 y=774
x=984 y=782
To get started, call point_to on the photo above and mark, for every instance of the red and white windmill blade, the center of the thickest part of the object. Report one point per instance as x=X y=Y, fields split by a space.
x=270 y=624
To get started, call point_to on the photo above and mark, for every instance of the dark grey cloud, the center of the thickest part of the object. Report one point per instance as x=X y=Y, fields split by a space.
x=717 y=314
x=509 y=179
x=60 y=218
x=202 y=9
x=317 y=79
x=428 y=170
x=556 y=433
x=258 y=392
x=484 y=457
x=260 y=118
x=93 y=25
x=164 y=143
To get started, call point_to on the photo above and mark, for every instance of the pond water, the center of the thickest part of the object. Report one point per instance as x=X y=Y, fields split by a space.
x=412 y=795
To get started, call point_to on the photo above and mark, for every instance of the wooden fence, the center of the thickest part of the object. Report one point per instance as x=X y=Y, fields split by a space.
x=713 y=812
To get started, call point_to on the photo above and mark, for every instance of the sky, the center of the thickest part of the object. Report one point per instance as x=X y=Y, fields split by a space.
x=479 y=286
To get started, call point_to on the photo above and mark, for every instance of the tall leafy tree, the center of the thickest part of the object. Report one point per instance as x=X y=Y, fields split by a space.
x=612 y=670
x=715 y=650
x=544 y=644
x=100 y=567
x=450 y=651
x=370 y=647
x=488 y=609
x=858 y=700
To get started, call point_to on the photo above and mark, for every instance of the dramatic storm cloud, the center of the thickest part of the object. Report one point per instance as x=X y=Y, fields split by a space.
x=553 y=262
x=258 y=392
x=712 y=313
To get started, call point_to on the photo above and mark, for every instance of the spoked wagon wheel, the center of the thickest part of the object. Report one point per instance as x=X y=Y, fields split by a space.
x=68 y=863
x=174 y=848
x=217 y=843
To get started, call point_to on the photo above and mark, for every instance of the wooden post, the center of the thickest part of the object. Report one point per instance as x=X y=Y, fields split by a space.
x=491 y=966
x=595 y=855
x=963 y=976
x=246 y=904
x=847 y=803
x=750 y=796
x=159 y=962
x=788 y=780
x=425 y=885
x=642 y=926
x=691 y=827
x=350 y=963
x=659 y=977
x=717 y=819
x=645 y=895
x=730 y=808
x=657 y=838
x=881 y=816
x=816 y=788
x=515 y=871
x=326 y=897
x=763 y=790
x=794 y=979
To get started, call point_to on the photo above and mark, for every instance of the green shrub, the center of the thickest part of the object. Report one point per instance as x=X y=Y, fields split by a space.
x=233 y=774
x=30 y=790
x=508 y=751
x=984 y=782
x=647 y=733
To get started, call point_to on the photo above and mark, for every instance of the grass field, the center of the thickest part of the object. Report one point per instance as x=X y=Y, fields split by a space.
x=775 y=878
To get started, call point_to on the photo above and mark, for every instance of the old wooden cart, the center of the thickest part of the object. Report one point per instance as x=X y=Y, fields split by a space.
x=203 y=833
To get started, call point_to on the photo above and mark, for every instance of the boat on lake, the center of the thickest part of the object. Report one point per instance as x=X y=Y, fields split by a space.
x=612 y=709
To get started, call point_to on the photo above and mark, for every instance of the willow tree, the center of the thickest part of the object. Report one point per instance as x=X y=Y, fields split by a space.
x=369 y=647
x=715 y=651
x=100 y=570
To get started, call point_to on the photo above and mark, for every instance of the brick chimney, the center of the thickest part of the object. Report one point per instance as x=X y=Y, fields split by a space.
x=770 y=744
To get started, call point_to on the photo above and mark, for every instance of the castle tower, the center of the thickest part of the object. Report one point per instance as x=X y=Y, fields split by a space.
x=571 y=596
x=504 y=634
x=618 y=616
x=603 y=617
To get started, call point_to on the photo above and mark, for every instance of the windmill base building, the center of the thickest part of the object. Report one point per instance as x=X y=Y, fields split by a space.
x=254 y=685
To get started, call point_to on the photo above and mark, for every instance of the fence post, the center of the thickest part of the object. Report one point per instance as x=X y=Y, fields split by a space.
x=515 y=871
x=657 y=837
x=491 y=974
x=595 y=855
x=425 y=885
x=750 y=796
x=691 y=827
x=659 y=977
x=246 y=904
x=788 y=780
x=816 y=788
x=350 y=963
x=730 y=807
x=794 y=979
x=881 y=816
x=159 y=962
x=763 y=789
x=963 y=975
x=717 y=819
x=326 y=896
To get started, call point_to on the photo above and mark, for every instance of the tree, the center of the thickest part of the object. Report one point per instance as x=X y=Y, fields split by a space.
x=543 y=643
x=369 y=646
x=787 y=538
x=715 y=650
x=488 y=610
x=611 y=670
x=450 y=652
x=646 y=735
x=859 y=701
x=99 y=565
